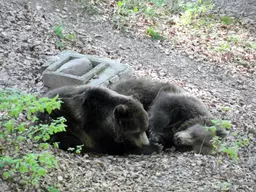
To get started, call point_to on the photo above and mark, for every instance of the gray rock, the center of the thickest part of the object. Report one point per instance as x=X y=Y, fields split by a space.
x=73 y=68
x=76 y=67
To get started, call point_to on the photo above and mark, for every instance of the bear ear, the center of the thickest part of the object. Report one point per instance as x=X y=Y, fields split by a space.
x=81 y=97
x=121 y=111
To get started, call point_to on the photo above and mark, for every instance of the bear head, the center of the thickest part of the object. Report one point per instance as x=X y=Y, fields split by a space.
x=131 y=122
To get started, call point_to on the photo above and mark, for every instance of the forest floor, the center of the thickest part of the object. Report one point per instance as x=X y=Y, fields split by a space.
x=220 y=79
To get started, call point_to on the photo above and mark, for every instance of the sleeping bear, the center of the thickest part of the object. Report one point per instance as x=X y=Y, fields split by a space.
x=175 y=117
x=101 y=120
x=144 y=90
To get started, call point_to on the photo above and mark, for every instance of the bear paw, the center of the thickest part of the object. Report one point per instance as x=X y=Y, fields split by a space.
x=157 y=139
x=158 y=147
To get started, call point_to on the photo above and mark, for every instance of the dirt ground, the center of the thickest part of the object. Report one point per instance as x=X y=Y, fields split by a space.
x=27 y=38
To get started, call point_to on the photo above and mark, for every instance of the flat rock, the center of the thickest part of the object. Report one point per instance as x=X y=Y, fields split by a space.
x=76 y=67
x=72 y=68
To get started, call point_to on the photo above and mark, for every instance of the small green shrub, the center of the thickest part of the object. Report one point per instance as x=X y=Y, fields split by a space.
x=19 y=133
x=224 y=186
x=77 y=150
x=224 y=47
x=154 y=35
x=194 y=9
x=227 y=20
x=251 y=45
x=224 y=148
x=53 y=189
x=233 y=39
x=59 y=32
x=125 y=8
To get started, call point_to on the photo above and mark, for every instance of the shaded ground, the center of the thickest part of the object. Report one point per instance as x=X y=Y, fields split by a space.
x=26 y=37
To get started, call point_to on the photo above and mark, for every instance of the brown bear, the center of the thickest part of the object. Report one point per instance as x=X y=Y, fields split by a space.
x=175 y=117
x=101 y=120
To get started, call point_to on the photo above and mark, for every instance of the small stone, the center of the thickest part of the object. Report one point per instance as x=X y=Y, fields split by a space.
x=76 y=66
x=60 y=178
x=199 y=162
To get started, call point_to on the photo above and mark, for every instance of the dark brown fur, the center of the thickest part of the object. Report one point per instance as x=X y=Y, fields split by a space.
x=101 y=120
x=175 y=117
x=144 y=90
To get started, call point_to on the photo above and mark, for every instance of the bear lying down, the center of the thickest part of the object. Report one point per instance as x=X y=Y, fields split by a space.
x=101 y=120
x=175 y=118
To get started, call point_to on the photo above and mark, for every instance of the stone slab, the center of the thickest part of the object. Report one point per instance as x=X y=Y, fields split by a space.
x=104 y=72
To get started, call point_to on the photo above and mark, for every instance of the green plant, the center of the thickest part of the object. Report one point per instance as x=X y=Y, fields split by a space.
x=227 y=149
x=224 y=47
x=59 y=32
x=123 y=13
x=233 y=39
x=225 y=186
x=251 y=45
x=19 y=132
x=225 y=108
x=53 y=189
x=77 y=150
x=227 y=20
x=154 y=35
x=126 y=8
x=194 y=9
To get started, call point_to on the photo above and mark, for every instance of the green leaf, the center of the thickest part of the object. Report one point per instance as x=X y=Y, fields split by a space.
x=16 y=111
x=226 y=124
x=6 y=175
x=70 y=36
x=23 y=168
x=60 y=44
x=154 y=35
x=37 y=138
x=135 y=9
x=21 y=127
x=119 y=3
x=53 y=189
x=20 y=138
x=56 y=145
x=225 y=109
x=58 y=31
x=10 y=125
x=41 y=171
x=44 y=145
x=35 y=180
x=212 y=129
x=227 y=20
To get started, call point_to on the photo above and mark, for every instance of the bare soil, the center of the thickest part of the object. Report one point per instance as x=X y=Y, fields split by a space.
x=27 y=38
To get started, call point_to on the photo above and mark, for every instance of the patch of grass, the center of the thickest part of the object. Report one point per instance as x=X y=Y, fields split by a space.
x=18 y=131
x=227 y=20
